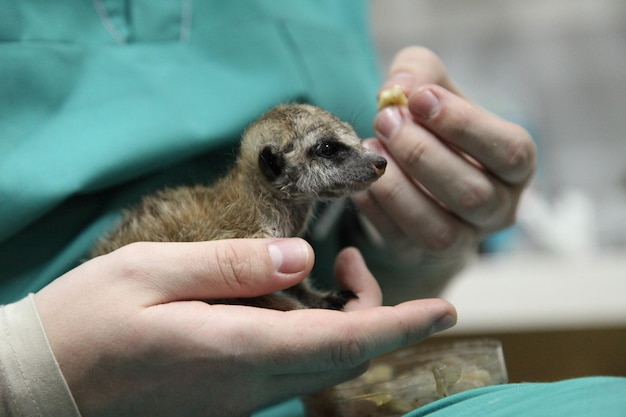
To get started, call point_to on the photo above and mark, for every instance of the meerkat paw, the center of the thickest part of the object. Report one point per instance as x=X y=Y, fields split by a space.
x=313 y=298
x=270 y=301
x=334 y=300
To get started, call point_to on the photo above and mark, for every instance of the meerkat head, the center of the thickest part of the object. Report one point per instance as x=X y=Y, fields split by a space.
x=304 y=152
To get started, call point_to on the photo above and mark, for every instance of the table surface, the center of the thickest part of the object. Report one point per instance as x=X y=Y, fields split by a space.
x=529 y=292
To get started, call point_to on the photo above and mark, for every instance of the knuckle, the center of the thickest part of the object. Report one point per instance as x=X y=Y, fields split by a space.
x=507 y=213
x=443 y=241
x=348 y=353
x=131 y=250
x=451 y=237
x=491 y=207
x=488 y=205
x=456 y=119
x=391 y=192
x=520 y=156
x=234 y=268
x=476 y=197
x=415 y=153
x=127 y=260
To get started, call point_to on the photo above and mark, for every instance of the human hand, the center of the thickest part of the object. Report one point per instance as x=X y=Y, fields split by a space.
x=131 y=339
x=455 y=172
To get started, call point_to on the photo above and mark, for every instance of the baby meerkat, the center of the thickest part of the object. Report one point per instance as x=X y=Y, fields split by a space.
x=294 y=155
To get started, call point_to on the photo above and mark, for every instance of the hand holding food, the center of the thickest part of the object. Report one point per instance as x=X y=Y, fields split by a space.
x=455 y=173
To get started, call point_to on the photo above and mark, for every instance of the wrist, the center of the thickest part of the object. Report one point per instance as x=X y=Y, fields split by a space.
x=34 y=382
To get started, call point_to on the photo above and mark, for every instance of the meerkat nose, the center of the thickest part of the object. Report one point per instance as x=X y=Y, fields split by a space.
x=380 y=163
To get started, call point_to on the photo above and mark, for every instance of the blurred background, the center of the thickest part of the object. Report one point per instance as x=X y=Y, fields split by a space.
x=553 y=288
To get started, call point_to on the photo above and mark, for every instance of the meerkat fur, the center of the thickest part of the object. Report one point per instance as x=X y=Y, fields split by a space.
x=293 y=156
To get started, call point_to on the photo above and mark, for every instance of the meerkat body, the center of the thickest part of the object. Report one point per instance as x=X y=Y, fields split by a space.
x=291 y=157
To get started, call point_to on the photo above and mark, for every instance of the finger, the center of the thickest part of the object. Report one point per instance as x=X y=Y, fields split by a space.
x=385 y=229
x=215 y=269
x=504 y=148
x=323 y=340
x=396 y=203
x=415 y=66
x=461 y=185
x=352 y=273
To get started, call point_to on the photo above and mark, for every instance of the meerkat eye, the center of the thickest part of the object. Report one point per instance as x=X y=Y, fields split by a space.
x=329 y=148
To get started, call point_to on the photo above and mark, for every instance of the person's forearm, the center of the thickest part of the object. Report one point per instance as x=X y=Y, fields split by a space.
x=31 y=383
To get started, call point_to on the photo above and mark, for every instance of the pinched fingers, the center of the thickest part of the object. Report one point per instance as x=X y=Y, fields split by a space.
x=403 y=211
x=468 y=160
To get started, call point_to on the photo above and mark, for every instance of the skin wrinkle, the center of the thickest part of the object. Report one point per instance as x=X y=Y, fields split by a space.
x=416 y=153
x=518 y=154
x=233 y=267
x=476 y=198
x=439 y=236
x=520 y=158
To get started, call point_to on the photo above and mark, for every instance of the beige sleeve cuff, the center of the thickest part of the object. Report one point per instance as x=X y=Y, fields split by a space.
x=31 y=383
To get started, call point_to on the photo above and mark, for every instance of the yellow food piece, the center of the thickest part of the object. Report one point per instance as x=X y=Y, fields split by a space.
x=393 y=96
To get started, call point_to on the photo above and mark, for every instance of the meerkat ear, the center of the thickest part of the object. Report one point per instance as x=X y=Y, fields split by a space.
x=271 y=162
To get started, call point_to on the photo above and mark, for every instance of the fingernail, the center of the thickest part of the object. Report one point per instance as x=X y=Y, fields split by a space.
x=387 y=122
x=289 y=255
x=443 y=323
x=424 y=104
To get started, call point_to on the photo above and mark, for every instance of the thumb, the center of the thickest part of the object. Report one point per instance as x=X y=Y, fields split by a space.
x=215 y=269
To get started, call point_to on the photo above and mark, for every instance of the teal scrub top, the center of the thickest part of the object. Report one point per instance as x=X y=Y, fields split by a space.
x=580 y=397
x=103 y=101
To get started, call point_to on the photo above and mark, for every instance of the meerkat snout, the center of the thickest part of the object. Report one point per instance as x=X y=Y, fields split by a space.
x=380 y=164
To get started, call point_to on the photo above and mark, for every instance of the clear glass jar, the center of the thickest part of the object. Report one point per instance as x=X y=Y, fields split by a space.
x=408 y=378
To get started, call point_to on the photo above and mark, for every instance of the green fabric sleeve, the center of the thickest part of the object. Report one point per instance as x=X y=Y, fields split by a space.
x=103 y=101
